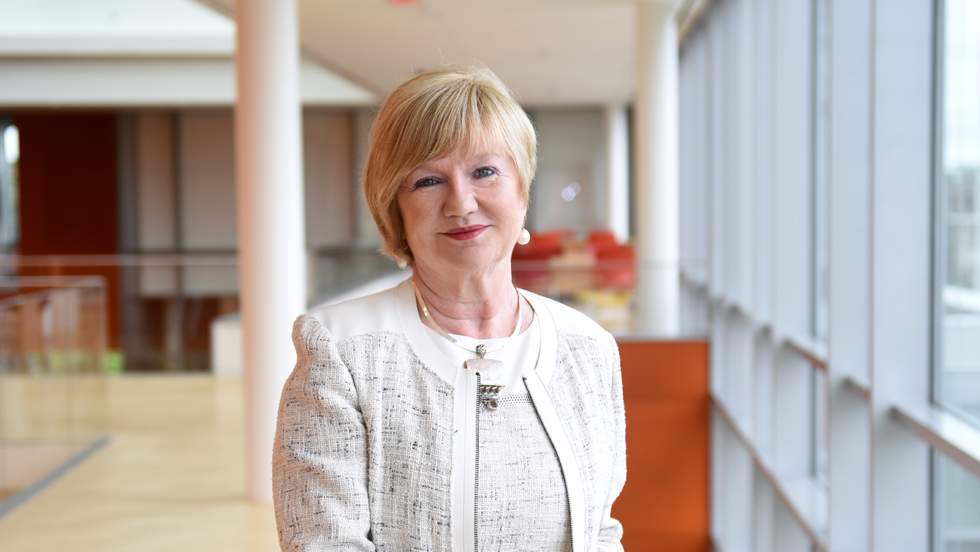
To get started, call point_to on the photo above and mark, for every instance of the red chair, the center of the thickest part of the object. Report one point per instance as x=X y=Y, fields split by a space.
x=602 y=239
x=529 y=264
x=616 y=268
x=552 y=238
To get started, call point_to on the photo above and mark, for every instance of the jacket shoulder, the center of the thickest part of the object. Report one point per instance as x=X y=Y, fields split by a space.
x=373 y=313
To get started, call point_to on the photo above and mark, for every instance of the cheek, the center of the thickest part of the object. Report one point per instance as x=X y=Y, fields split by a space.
x=515 y=210
x=407 y=217
x=416 y=215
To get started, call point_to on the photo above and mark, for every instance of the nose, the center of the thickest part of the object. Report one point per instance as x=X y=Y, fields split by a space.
x=461 y=200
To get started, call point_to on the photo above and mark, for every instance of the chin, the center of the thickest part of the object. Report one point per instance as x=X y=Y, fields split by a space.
x=472 y=257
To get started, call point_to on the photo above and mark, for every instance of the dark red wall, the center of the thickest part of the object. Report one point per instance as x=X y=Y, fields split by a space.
x=68 y=195
x=68 y=184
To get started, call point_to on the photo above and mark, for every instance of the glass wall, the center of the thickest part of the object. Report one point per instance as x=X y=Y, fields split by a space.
x=957 y=261
x=52 y=374
x=807 y=150
x=959 y=209
x=958 y=508
x=754 y=173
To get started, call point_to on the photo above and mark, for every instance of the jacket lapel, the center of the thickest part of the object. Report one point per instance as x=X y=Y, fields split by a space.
x=537 y=386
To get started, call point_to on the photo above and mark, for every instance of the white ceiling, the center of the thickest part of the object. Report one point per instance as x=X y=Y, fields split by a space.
x=550 y=52
x=124 y=28
x=86 y=53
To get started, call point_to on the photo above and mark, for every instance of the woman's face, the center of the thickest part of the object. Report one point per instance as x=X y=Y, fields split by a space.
x=463 y=211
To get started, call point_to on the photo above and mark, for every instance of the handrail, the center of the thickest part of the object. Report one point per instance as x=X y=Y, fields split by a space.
x=128 y=259
x=58 y=283
x=811 y=349
x=802 y=497
x=945 y=432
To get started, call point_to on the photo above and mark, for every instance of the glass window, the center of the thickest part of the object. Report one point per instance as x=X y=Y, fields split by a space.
x=9 y=159
x=958 y=508
x=957 y=492
x=959 y=210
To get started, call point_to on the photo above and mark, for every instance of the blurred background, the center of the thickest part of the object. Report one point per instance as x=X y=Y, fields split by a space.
x=774 y=205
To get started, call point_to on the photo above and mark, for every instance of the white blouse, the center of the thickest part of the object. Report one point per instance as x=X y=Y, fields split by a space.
x=513 y=444
x=519 y=353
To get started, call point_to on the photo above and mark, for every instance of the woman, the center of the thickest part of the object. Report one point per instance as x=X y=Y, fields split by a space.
x=452 y=412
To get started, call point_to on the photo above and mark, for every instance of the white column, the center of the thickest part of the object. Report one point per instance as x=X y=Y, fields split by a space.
x=617 y=171
x=656 y=163
x=269 y=185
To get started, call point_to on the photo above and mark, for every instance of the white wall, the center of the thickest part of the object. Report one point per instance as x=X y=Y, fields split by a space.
x=329 y=175
x=199 y=178
x=366 y=231
x=206 y=168
x=571 y=148
x=155 y=182
x=207 y=179
x=156 y=199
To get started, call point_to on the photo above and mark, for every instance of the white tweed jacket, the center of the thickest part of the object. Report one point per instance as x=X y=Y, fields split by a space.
x=368 y=430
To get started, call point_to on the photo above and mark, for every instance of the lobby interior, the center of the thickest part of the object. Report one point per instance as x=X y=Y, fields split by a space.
x=774 y=205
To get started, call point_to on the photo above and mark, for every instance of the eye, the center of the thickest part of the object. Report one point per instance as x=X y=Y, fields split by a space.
x=484 y=172
x=425 y=183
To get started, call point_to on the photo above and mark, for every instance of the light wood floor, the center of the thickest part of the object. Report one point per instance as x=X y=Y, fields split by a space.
x=171 y=479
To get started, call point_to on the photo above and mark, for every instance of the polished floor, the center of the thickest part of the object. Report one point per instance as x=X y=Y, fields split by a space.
x=170 y=479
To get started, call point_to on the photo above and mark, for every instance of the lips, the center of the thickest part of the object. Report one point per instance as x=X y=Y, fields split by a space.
x=464 y=233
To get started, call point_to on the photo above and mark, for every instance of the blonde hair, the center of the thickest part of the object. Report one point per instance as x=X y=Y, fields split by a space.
x=433 y=115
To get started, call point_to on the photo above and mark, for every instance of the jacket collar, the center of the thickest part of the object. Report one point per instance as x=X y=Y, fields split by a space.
x=411 y=325
x=548 y=352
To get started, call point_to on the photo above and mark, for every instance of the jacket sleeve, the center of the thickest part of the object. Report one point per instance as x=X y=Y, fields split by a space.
x=319 y=459
x=610 y=529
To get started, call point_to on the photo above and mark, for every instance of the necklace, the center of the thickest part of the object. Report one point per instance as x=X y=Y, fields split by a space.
x=490 y=370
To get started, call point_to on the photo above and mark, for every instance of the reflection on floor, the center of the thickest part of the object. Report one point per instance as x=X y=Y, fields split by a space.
x=172 y=478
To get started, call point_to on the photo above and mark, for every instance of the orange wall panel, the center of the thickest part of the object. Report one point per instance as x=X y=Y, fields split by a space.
x=664 y=369
x=665 y=504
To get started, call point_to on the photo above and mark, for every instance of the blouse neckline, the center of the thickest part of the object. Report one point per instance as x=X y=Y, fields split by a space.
x=425 y=349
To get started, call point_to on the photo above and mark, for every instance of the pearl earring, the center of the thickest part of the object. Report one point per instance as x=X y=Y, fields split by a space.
x=525 y=237
x=402 y=263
